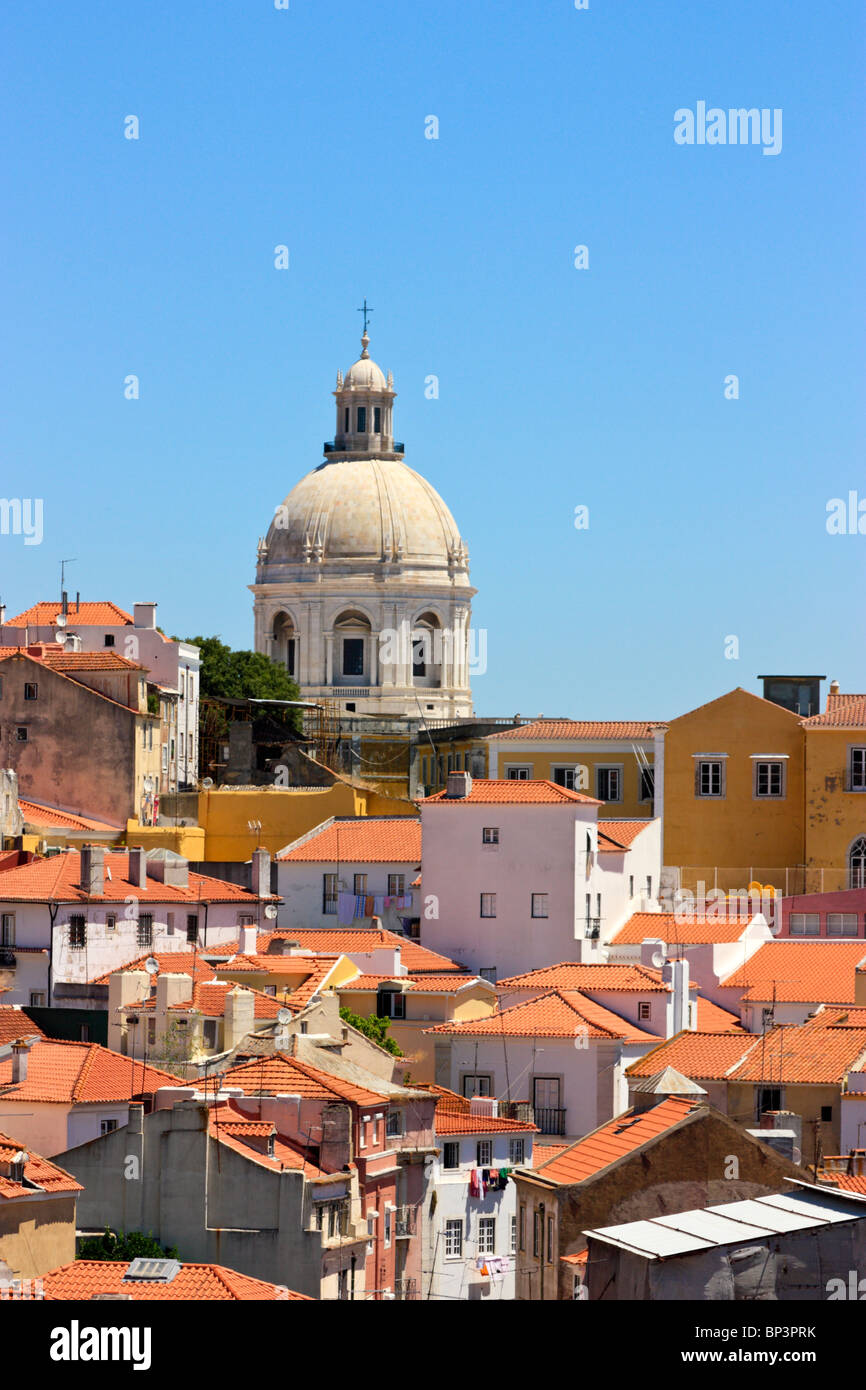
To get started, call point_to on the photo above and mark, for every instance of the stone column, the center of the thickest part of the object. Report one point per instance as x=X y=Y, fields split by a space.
x=329 y=658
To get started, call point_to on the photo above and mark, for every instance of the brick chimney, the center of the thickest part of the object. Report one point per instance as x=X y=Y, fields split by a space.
x=260 y=873
x=20 y=1055
x=138 y=866
x=240 y=1016
x=93 y=870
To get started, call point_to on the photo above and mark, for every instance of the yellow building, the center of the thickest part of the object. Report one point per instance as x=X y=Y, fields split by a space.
x=836 y=793
x=733 y=798
x=415 y=1002
x=609 y=759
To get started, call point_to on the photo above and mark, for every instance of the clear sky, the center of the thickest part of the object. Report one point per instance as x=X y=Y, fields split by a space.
x=559 y=387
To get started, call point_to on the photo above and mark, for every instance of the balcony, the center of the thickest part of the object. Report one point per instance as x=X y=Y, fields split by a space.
x=550 y=1121
x=405 y=1222
x=593 y=928
x=406 y=1288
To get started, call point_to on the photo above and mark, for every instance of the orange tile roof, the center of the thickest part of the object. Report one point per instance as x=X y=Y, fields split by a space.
x=542 y=1152
x=786 y=1056
x=184 y=962
x=37 y=1169
x=842 y=712
x=278 y=1073
x=57 y=659
x=488 y=791
x=800 y=972
x=675 y=927
x=713 y=1019
x=698 y=1056
x=92 y=613
x=848 y=1182
x=37 y=814
x=82 y=1279
x=367 y=839
x=209 y=998
x=560 y=1014
x=572 y=729
x=235 y=1129
x=581 y=1258
x=573 y=975
x=58 y=877
x=450 y=1122
x=15 y=1023
x=73 y=1073
x=353 y=940
x=621 y=833
x=614 y=1141
x=417 y=984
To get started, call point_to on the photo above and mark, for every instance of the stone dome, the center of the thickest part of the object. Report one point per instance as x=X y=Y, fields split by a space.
x=365 y=511
x=365 y=374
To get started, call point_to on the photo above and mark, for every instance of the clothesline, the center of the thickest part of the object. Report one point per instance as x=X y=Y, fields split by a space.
x=352 y=906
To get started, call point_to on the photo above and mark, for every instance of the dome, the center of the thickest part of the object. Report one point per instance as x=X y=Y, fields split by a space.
x=365 y=510
x=365 y=374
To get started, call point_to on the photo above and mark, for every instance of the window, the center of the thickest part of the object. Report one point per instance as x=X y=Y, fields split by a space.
x=769 y=778
x=77 y=933
x=826 y=1114
x=709 y=777
x=396 y=885
x=649 y=885
x=362 y=419
x=329 y=893
x=394 y=1126
x=145 y=929
x=151 y=1032
x=769 y=1098
x=522 y=1227
x=31 y=690
x=453 y=1240
x=488 y=904
x=353 y=656
x=107 y=1126
x=539 y=904
x=631 y=885
x=857 y=863
x=7 y=929
x=111 y=921
x=490 y=835
x=475 y=1085
x=842 y=924
x=451 y=1154
x=377 y=419
x=360 y=885
x=209 y=1034
x=537 y=1234
x=488 y=972
x=346 y=420
x=363 y=1143
x=565 y=777
x=487 y=1235
x=608 y=783
x=192 y=928
x=518 y=774
x=550 y=1240
x=484 y=1153
x=21 y=734
x=857 y=769
x=647 y=784
x=515 y=1151
x=643 y=1011
x=37 y=999
x=389 y=1215
x=805 y=924
x=391 y=1003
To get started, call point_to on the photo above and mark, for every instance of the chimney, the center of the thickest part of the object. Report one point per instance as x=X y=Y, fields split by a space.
x=459 y=786
x=240 y=1016
x=144 y=615
x=860 y=987
x=260 y=873
x=172 y=989
x=248 y=936
x=650 y=949
x=138 y=866
x=834 y=687
x=93 y=870
x=20 y=1054
x=676 y=974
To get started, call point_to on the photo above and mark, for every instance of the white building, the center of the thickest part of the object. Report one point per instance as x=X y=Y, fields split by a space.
x=71 y=918
x=362 y=586
x=102 y=626
x=365 y=857
x=470 y=1244
x=520 y=874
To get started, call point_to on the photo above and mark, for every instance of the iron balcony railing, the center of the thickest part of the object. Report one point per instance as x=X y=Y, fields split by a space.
x=406 y=1288
x=593 y=928
x=550 y=1121
x=331 y=446
x=405 y=1222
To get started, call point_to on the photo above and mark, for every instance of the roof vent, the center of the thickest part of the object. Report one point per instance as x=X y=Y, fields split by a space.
x=153 y=1271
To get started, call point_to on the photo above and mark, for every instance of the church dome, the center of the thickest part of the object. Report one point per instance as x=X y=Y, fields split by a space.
x=367 y=511
x=365 y=374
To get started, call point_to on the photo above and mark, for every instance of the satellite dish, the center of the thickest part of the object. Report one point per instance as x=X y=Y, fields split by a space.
x=271 y=911
x=151 y=965
x=658 y=959
x=207 y=783
x=60 y=636
x=284 y=1016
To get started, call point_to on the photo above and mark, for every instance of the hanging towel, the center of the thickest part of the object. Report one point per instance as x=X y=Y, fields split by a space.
x=360 y=905
x=474 y=1184
x=345 y=908
x=503 y=1178
x=379 y=904
x=369 y=906
x=494 y=1178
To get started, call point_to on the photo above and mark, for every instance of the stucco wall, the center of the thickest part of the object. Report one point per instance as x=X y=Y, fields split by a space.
x=38 y=1234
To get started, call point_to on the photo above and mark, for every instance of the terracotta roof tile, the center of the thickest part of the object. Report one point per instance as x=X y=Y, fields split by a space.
x=418 y=984
x=806 y=1056
x=570 y=730
x=278 y=1073
x=559 y=1014
x=37 y=1170
x=354 y=940
x=79 y=1073
x=623 y=832
x=448 y=1122
x=502 y=791
x=800 y=972
x=677 y=928
x=235 y=1129
x=699 y=1056
x=713 y=1019
x=847 y=1182
x=614 y=1141
x=574 y=975
x=209 y=998
x=36 y=814
x=92 y=613
x=367 y=839
x=82 y=1279
x=15 y=1023
x=185 y=962
x=58 y=877
x=842 y=712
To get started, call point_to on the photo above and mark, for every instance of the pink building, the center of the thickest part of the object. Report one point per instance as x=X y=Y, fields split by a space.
x=833 y=915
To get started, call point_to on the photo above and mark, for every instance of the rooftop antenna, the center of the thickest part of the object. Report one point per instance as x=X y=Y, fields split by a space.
x=63 y=564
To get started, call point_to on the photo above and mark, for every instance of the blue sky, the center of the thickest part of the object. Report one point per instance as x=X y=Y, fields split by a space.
x=559 y=387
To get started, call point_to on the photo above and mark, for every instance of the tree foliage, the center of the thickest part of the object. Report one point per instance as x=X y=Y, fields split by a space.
x=374 y=1028
x=241 y=675
x=129 y=1245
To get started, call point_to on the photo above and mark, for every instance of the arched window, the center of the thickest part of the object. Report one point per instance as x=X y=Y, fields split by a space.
x=352 y=640
x=857 y=863
x=284 y=644
x=427 y=647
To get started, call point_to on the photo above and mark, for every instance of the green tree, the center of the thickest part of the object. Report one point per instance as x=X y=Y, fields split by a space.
x=241 y=675
x=129 y=1245
x=374 y=1028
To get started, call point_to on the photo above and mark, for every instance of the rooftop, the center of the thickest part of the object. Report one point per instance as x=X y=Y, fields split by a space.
x=615 y=1140
x=559 y=1014
x=820 y=971
x=58 y=877
x=569 y=730
x=39 y=1172
x=75 y=1073
x=84 y=1279
x=678 y=927
x=93 y=613
x=367 y=839
x=487 y=791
